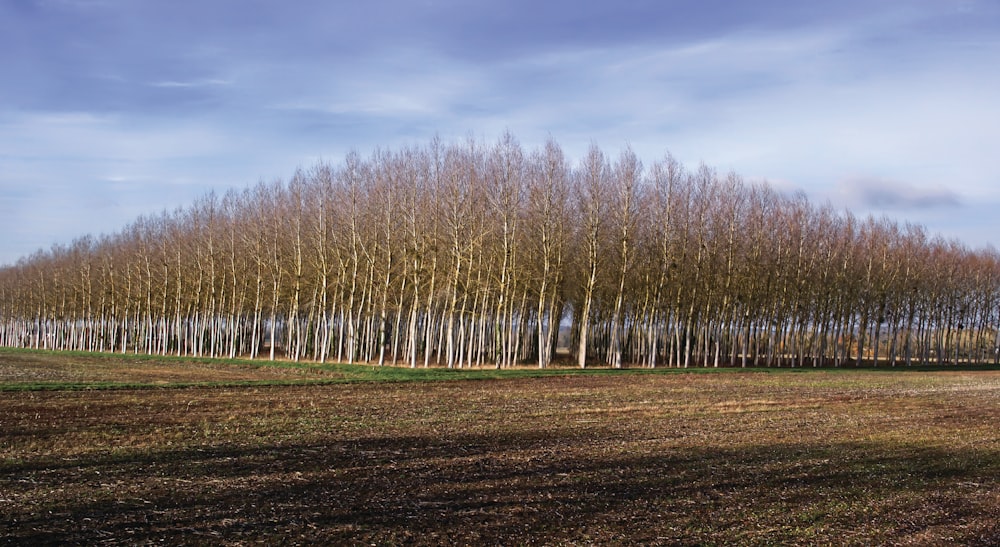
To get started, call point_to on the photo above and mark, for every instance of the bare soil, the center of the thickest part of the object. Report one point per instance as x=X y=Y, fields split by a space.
x=830 y=457
x=18 y=367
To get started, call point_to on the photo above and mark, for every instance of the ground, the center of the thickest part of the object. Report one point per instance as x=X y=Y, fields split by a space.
x=728 y=458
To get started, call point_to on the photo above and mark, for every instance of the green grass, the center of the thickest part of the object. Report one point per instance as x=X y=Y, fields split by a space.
x=62 y=371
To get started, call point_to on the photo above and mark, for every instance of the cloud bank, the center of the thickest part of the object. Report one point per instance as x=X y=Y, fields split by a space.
x=140 y=106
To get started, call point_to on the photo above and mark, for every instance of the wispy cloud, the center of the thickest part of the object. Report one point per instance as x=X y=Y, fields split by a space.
x=841 y=100
x=101 y=138
x=881 y=194
x=213 y=82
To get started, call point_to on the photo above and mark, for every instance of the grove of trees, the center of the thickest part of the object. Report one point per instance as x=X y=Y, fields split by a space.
x=473 y=254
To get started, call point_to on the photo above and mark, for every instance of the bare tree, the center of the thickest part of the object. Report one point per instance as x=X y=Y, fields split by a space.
x=591 y=189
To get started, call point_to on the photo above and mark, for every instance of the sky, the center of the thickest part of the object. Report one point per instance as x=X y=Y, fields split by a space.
x=112 y=109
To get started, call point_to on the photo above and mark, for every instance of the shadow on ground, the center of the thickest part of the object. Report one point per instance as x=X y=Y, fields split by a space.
x=496 y=489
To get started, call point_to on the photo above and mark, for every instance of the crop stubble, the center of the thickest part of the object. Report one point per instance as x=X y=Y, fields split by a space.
x=739 y=458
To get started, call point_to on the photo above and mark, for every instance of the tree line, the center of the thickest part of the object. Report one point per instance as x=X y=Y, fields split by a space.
x=472 y=254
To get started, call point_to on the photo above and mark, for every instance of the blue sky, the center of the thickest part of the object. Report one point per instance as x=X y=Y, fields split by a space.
x=110 y=109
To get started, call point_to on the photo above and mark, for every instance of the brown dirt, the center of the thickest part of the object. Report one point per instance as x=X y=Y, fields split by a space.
x=54 y=368
x=838 y=458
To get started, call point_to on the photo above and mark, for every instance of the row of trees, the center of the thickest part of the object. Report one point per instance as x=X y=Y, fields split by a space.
x=469 y=254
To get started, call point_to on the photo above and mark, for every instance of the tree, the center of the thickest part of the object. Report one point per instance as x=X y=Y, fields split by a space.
x=468 y=254
x=590 y=189
x=547 y=216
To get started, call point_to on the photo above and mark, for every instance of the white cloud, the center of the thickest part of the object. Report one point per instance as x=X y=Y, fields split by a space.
x=893 y=96
x=82 y=136
x=211 y=82
x=70 y=174
x=410 y=84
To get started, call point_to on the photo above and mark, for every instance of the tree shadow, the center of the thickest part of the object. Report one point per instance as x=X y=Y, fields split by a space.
x=507 y=489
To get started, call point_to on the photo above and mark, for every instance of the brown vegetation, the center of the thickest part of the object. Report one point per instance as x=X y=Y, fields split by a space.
x=472 y=254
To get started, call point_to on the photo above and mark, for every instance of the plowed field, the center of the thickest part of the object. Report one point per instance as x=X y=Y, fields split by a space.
x=747 y=458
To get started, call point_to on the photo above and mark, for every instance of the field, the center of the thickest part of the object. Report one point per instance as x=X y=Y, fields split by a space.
x=97 y=449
